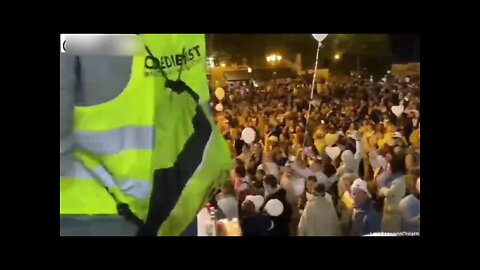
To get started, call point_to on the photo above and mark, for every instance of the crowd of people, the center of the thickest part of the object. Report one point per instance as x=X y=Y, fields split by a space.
x=344 y=161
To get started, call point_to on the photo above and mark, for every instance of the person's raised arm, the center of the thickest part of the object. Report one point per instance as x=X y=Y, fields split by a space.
x=303 y=172
x=396 y=188
x=359 y=147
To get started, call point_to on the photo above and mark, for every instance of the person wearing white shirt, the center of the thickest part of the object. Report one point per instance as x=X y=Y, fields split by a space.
x=319 y=217
x=345 y=202
x=315 y=170
x=227 y=200
x=410 y=209
x=393 y=191
x=350 y=161
x=294 y=185
x=310 y=192
x=270 y=167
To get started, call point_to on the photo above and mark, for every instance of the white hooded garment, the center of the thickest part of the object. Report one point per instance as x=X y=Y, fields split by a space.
x=319 y=219
x=350 y=161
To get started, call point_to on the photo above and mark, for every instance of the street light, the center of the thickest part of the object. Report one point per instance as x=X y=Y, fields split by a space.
x=274 y=58
x=249 y=70
x=337 y=56
x=223 y=65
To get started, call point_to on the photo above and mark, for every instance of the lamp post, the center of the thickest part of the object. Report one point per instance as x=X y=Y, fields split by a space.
x=273 y=58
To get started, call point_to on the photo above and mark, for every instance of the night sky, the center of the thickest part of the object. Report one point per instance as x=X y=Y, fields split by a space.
x=404 y=47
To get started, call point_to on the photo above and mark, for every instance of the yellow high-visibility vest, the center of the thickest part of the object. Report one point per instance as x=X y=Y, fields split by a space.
x=122 y=143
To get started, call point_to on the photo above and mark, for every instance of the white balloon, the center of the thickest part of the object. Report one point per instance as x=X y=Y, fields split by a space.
x=320 y=37
x=220 y=93
x=274 y=207
x=397 y=110
x=333 y=152
x=248 y=135
x=219 y=107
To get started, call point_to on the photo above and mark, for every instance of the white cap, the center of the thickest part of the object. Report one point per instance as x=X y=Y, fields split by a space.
x=360 y=184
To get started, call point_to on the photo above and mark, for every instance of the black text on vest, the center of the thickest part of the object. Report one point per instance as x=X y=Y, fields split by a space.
x=172 y=61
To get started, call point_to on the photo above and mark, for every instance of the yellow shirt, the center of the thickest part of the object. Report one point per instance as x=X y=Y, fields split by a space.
x=347 y=200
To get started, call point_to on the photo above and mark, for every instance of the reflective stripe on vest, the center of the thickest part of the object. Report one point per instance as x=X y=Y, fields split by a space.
x=120 y=134
x=189 y=156
x=137 y=188
x=116 y=140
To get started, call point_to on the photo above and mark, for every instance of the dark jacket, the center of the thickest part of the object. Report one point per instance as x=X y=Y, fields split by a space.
x=366 y=220
x=281 y=223
x=257 y=225
x=238 y=145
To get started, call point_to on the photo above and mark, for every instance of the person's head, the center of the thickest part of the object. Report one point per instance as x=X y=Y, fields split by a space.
x=240 y=171
x=228 y=188
x=397 y=163
x=347 y=179
x=252 y=169
x=359 y=191
x=319 y=189
x=239 y=162
x=248 y=208
x=412 y=115
x=277 y=154
x=260 y=174
x=329 y=169
x=270 y=181
x=311 y=181
x=288 y=169
x=352 y=126
x=316 y=166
